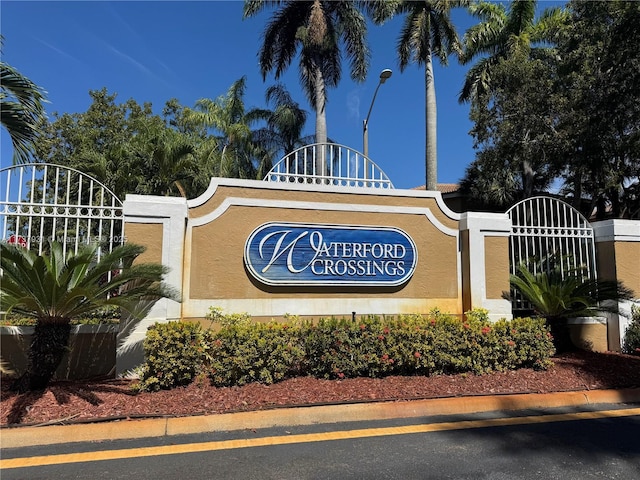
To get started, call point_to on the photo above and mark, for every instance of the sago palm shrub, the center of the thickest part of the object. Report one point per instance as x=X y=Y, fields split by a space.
x=557 y=297
x=54 y=290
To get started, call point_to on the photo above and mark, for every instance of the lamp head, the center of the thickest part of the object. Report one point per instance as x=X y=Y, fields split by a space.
x=386 y=73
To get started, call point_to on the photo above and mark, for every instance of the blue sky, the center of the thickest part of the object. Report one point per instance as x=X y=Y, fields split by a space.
x=154 y=51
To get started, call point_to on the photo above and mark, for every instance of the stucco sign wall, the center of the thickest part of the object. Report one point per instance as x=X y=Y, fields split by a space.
x=319 y=254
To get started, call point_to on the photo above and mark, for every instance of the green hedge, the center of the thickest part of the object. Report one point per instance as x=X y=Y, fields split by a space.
x=243 y=351
x=175 y=353
x=433 y=345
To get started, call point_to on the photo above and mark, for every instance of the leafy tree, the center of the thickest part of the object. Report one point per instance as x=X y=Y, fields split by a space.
x=98 y=141
x=516 y=134
x=600 y=81
x=170 y=164
x=54 y=290
x=21 y=110
x=127 y=147
x=319 y=30
x=511 y=90
x=567 y=109
x=284 y=124
x=505 y=33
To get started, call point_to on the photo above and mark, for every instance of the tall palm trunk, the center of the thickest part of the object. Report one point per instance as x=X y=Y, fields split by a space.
x=321 y=120
x=431 y=124
x=48 y=345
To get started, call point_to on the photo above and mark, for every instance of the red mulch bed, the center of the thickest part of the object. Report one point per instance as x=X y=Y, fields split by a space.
x=69 y=402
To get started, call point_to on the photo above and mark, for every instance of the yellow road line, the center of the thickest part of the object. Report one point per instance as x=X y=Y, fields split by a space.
x=304 y=438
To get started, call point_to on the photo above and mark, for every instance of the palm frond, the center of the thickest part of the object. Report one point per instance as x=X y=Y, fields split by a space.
x=21 y=110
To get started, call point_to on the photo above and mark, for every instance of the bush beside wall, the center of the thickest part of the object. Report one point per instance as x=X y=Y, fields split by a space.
x=243 y=351
x=175 y=353
x=631 y=344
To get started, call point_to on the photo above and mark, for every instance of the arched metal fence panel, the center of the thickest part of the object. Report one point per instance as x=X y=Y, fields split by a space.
x=328 y=164
x=548 y=234
x=42 y=202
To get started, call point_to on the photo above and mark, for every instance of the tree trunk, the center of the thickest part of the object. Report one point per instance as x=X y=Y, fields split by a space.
x=321 y=121
x=431 y=151
x=48 y=345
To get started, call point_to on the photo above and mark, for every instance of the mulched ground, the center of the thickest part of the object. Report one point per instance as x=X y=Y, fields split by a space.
x=71 y=402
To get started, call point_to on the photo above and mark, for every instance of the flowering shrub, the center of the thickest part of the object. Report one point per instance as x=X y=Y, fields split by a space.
x=431 y=345
x=339 y=348
x=631 y=343
x=244 y=351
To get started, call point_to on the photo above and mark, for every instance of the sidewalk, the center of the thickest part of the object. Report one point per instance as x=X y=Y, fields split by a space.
x=158 y=427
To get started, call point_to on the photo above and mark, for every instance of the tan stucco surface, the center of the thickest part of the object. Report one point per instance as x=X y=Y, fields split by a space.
x=628 y=264
x=496 y=261
x=620 y=261
x=149 y=235
x=217 y=268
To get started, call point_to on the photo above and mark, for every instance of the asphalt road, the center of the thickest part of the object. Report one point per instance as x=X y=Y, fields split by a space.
x=551 y=444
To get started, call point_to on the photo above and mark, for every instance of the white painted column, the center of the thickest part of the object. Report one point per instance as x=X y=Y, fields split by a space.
x=171 y=213
x=480 y=226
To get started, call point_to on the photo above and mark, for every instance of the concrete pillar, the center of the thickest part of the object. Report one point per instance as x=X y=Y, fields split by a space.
x=485 y=262
x=618 y=259
x=157 y=223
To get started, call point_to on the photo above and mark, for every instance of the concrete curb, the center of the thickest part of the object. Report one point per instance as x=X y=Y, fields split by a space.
x=159 y=427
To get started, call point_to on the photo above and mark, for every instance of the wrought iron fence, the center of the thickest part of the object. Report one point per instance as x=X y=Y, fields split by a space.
x=548 y=234
x=42 y=202
x=328 y=164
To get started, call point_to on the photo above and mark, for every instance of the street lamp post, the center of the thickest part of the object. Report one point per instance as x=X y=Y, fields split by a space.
x=386 y=73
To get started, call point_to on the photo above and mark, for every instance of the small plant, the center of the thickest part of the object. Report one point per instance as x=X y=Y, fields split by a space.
x=631 y=344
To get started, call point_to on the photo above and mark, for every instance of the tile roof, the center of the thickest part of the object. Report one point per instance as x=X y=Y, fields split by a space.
x=442 y=187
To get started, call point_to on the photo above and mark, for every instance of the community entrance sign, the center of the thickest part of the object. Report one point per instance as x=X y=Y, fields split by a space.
x=318 y=254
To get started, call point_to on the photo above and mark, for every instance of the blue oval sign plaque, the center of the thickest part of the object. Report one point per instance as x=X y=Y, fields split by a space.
x=316 y=254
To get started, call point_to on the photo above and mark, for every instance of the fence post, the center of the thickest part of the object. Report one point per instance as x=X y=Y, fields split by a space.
x=484 y=247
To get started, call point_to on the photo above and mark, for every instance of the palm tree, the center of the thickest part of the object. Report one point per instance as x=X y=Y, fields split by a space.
x=54 y=290
x=427 y=31
x=318 y=29
x=557 y=297
x=21 y=110
x=286 y=120
x=282 y=134
x=169 y=162
x=505 y=33
x=228 y=116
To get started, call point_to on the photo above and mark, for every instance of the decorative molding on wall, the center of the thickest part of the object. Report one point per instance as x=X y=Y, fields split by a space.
x=377 y=192
x=616 y=230
x=319 y=206
x=278 y=307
